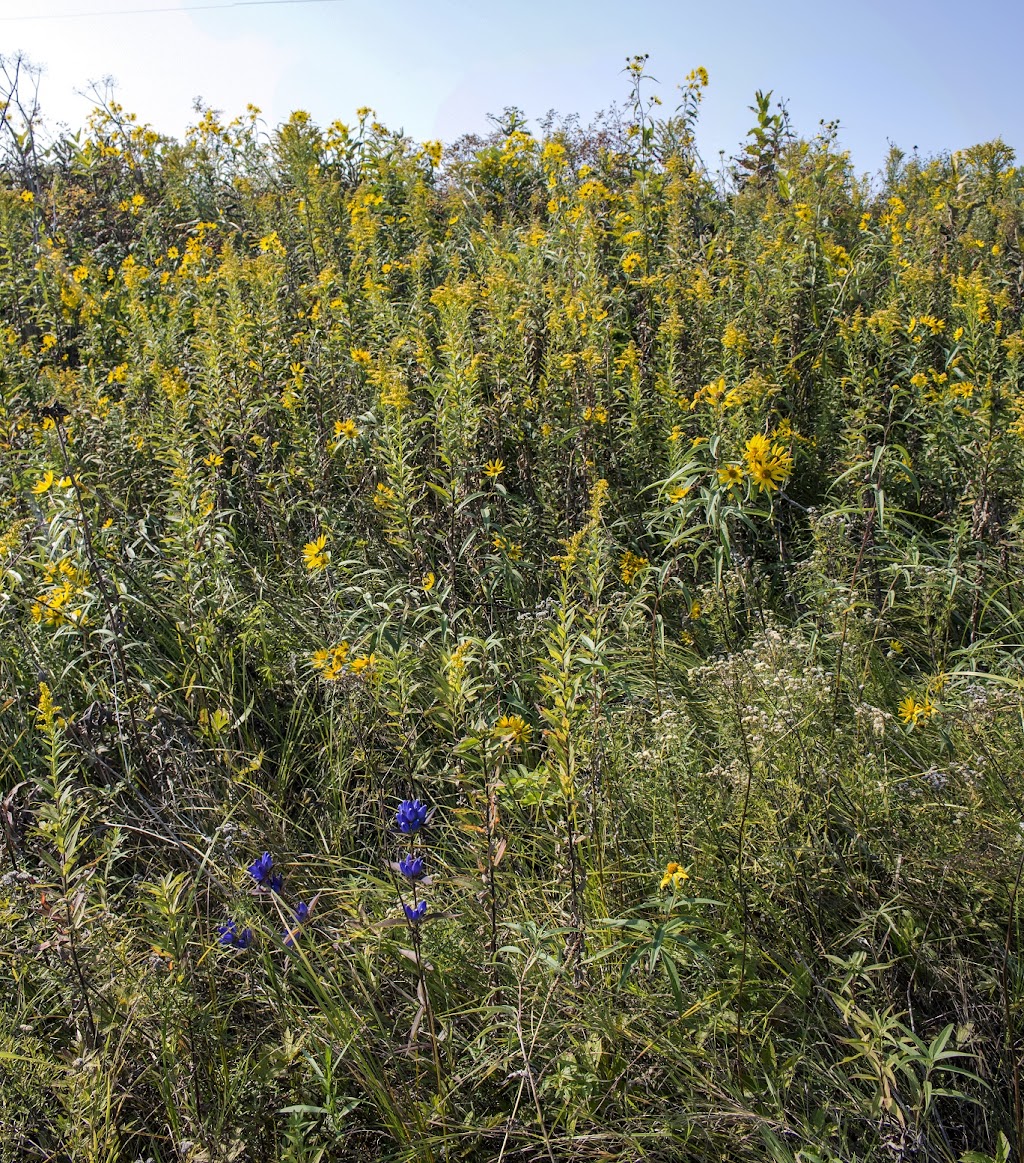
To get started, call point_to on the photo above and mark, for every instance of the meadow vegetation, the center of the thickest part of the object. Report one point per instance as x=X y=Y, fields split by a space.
x=511 y=650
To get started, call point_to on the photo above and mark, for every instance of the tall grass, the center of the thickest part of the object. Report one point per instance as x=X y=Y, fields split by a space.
x=659 y=530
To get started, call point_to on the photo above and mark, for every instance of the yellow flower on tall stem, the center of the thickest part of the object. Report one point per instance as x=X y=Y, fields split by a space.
x=674 y=876
x=315 y=554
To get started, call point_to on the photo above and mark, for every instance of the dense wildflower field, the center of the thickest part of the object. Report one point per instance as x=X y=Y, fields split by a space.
x=509 y=651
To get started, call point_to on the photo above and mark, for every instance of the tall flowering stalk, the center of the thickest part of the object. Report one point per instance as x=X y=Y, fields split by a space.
x=411 y=818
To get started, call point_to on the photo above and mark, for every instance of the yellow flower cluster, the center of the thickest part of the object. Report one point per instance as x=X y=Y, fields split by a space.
x=768 y=464
x=511 y=549
x=48 y=480
x=331 y=662
x=345 y=430
x=914 y=712
x=631 y=565
x=48 y=712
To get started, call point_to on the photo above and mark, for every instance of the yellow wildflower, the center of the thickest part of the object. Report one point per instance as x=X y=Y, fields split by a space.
x=512 y=729
x=271 y=244
x=631 y=565
x=315 y=554
x=674 y=876
x=428 y=582
x=732 y=337
x=512 y=550
x=345 y=430
x=730 y=474
x=494 y=468
x=48 y=711
x=769 y=465
x=44 y=483
x=332 y=662
x=913 y=712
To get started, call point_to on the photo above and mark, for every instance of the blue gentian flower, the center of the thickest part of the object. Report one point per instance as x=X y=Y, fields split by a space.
x=411 y=867
x=411 y=816
x=415 y=913
x=260 y=870
x=301 y=912
x=276 y=882
x=229 y=935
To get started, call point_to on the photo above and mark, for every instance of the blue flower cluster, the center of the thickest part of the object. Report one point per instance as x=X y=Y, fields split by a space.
x=411 y=816
x=410 y=819
x=229 y=935
x=262 y=871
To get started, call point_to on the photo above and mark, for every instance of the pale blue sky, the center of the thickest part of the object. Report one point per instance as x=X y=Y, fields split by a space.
x=938 y=75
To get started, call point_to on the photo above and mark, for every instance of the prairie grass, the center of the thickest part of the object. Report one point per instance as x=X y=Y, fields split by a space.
x=659 y=531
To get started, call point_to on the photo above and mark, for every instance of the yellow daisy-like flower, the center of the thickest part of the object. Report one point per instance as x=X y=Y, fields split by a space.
x=332 y=663
x=510 y=548
x=494 y=468
x=362 y=663
x=630 y=565
x=674 y=876
x=360 y=355
x=731 y=474
x=315 y=554
x=428 y=582
x=913 y=712
x=769 y=465
x=345 y=430
x=512 y=729
x=44 y=483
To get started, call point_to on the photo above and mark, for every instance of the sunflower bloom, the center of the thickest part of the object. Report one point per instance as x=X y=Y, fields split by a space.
x=768 y=465
x=674 y=876
x=315 y=554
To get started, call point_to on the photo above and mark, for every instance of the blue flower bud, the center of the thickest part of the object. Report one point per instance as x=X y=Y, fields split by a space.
x=411 y=816
x=411 y=867
x=415 y=913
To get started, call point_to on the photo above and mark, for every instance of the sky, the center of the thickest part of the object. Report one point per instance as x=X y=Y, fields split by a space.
x=933 y=74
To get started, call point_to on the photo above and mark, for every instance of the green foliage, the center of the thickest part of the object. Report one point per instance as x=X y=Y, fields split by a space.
x=661 y=534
